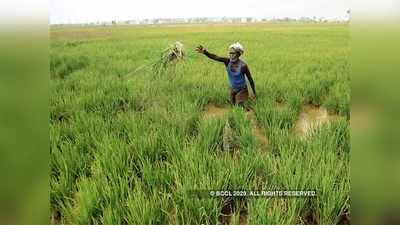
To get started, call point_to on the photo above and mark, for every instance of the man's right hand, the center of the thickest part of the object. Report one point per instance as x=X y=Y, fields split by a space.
x=200 y=49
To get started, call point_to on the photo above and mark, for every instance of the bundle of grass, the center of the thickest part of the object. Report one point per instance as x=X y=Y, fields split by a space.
x=172 y=54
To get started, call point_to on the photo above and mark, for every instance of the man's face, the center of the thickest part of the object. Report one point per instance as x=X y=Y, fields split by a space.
x=233 y=56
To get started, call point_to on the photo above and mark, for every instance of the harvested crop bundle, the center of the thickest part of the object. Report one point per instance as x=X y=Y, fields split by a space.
x=172 y=54
x=176 y=51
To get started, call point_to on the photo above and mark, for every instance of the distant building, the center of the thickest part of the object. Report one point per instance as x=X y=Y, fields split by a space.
x=194 y=20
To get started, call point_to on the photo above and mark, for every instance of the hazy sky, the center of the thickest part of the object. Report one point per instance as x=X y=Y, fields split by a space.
x=82 y=11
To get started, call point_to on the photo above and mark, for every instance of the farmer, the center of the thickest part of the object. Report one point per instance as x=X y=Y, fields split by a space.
x=237 y=69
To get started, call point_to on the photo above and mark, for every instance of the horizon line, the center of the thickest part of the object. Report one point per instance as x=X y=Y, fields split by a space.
x=144 y=21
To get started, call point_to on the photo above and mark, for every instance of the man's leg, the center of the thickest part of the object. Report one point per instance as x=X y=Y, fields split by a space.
x=233 y=97
x=241 y=98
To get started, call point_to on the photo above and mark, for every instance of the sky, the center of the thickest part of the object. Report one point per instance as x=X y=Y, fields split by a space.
x=84 y=11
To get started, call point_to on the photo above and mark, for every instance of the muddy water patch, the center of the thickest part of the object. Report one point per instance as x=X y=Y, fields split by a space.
x=212 y=111
x=311 y=117
x=215 y=111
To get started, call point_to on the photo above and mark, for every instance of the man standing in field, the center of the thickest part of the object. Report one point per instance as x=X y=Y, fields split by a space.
x=237 y=72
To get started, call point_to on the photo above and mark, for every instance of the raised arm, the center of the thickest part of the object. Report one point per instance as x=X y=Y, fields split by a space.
x=246 y=71
x=212 y=56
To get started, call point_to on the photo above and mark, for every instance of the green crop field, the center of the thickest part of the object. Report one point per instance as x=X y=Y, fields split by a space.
x=132 y=146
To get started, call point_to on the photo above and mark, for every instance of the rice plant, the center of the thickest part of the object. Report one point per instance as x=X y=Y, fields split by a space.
x=129 y=151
